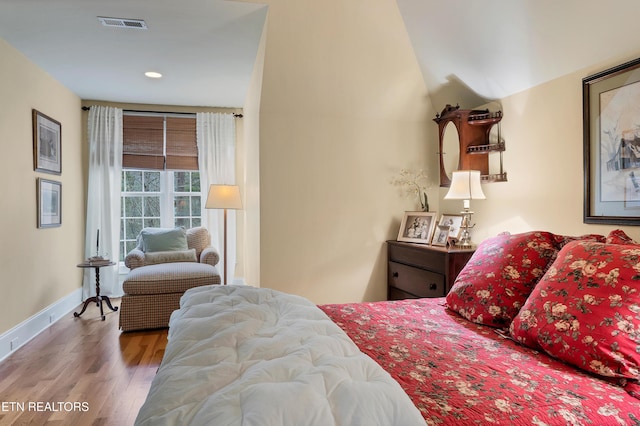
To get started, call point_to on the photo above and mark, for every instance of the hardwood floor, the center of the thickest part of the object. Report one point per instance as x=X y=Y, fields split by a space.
x=80 y=371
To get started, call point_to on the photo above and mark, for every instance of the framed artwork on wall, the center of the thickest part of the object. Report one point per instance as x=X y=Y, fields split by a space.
x=611 y=105
x=49 y=203
x=417 y=227
x=47 y=146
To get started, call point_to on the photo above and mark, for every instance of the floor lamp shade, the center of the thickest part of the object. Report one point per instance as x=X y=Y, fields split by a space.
x=224 y=197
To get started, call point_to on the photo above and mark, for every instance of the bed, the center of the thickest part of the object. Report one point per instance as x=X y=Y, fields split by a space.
x=538 y=329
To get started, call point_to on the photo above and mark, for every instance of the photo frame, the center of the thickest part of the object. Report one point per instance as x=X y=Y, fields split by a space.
x=454 y=221
x=441 y=235
x=417 y=227
x=49 y=203
x=611 y=101
x=47 y=144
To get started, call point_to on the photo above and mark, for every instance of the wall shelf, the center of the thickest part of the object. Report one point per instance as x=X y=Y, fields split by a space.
x=475 y=146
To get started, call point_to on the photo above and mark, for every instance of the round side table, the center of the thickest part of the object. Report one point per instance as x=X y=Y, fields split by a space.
x=97 y=299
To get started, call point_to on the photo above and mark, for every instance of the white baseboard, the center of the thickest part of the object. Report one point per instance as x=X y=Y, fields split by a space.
x=13 y=339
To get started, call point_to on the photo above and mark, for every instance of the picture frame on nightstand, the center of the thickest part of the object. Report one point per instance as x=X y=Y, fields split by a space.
x=454 y=222
x=417 y=227
x=441 y=235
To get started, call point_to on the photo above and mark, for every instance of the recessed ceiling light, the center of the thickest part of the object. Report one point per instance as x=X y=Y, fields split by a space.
x=153 y=74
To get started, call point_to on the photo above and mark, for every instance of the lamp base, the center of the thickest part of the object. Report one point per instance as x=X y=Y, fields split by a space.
x=465 y=238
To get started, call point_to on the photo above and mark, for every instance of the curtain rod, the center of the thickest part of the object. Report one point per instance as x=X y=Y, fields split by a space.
x=85 y=108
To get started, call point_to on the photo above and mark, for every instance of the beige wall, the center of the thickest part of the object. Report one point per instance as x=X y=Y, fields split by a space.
x=343 y=107
x=249 y=217
x=542 y=128
x=38 y=266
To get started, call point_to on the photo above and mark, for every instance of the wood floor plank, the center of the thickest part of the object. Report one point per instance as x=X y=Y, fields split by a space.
x=80 y=371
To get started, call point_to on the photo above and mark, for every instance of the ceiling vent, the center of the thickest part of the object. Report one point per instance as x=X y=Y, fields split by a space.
x=123 y=23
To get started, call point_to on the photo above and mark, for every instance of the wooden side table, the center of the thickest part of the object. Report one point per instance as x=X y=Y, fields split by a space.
x=418 y=270
x=97 y=298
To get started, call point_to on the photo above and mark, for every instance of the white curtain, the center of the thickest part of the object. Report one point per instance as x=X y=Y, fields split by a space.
x=216 y=134
x=103 y=198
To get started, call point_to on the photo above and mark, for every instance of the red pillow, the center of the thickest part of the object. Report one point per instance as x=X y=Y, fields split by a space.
x=500 y=275
x=617 y=236
x=562 y=240
x=586 y=309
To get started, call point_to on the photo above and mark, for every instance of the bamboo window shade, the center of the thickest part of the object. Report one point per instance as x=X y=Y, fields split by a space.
x=144 y=139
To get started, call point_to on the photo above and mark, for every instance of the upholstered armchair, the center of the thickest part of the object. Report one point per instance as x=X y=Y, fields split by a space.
x=168 y=245
x=165 y=263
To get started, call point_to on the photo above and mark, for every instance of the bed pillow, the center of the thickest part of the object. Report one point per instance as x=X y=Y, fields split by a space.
x=586 y=309
x=494 y=284
x=164 y=239
x=618 y=236
x=562 y=240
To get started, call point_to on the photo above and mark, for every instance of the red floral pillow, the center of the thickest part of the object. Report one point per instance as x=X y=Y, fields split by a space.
x=562 y=240
x=500 y=275
x=617 y=236
x=586 y=310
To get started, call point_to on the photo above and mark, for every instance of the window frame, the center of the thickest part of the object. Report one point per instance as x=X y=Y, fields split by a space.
x=167 y=193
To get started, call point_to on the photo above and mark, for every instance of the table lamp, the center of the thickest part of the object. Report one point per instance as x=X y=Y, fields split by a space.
x=224 y=197
x=465 y=185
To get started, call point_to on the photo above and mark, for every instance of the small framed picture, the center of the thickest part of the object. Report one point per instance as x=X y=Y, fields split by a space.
x=417 y=227
x=441 y=235
x=47 y=148
x=49 y=203
x=454 y=221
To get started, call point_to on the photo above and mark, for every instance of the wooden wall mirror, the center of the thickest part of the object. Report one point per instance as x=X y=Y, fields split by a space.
x=466 y=141
x=449 y=150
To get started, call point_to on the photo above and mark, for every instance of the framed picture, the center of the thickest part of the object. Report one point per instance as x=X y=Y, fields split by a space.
x=417 y=227
x=441 y=235
x=454 y=221
x=47 y=147
x=49 y=203
x=611 y=104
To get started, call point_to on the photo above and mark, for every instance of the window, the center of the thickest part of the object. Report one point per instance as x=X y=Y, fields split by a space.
x=160 y=177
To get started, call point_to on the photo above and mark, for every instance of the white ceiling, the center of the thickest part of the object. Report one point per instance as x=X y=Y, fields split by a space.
x=469 y=51
x=205 y=49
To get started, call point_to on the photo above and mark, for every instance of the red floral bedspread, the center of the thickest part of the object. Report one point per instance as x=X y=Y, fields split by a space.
x=458 y=372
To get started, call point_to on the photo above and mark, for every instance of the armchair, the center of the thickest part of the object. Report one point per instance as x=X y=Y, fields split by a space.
x=164 y=264
x=199 y=249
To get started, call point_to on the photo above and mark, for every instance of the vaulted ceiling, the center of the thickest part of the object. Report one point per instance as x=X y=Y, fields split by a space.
x=469 y=51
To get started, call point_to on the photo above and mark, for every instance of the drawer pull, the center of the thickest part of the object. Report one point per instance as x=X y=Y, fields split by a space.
x=433 y=286
x=395 y=275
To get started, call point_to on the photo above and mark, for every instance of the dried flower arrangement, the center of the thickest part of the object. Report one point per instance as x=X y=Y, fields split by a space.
x=414 y=184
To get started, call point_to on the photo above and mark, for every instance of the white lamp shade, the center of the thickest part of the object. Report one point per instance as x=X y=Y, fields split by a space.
x=224 y=197
x=465 y=185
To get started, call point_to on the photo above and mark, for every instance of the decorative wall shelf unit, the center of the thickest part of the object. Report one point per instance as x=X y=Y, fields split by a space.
x=474 y=143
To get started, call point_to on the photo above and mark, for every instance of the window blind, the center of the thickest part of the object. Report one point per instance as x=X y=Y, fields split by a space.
x=182 y=147
x=145 y=145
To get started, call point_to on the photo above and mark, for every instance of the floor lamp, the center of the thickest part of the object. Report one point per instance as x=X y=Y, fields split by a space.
x=465 y=185
x=224 y=197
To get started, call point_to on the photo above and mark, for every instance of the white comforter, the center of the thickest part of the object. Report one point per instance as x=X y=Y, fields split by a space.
x=239 y=355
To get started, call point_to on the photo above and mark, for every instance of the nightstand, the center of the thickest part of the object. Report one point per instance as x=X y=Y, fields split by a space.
x=418 y=270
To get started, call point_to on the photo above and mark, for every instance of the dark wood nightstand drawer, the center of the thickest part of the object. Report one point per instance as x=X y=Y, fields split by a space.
x=418 y=282
x=417 y=256
x=395 y=294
